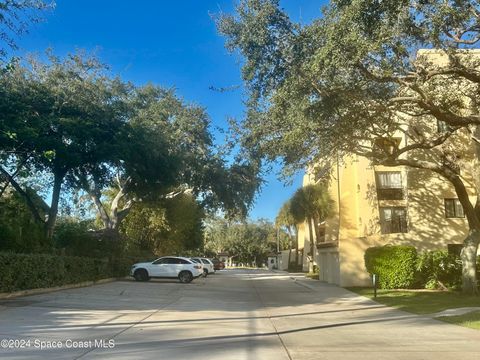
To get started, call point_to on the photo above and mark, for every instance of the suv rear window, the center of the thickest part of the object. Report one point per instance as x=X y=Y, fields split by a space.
x=173 y=261
x=205 y=261
x=160 y=261
x=177 y=261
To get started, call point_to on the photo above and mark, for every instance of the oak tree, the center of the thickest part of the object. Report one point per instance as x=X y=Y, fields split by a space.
x=352 y=80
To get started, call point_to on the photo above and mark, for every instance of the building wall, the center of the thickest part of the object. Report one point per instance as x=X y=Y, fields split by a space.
x=355 y=222
x=283 y=259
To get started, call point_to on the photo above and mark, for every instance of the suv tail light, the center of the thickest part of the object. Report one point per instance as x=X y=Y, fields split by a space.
x=197 y=266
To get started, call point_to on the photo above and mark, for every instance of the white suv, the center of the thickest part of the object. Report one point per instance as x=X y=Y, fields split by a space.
x=208 y=266
x=181 y=268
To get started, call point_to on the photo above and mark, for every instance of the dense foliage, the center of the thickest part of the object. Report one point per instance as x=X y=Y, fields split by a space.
x=312 y=205
x=172 y=228
x=31 y=271
x=19 y=232
x=353 y=81
x=100 y=150
x=126 y=170
x=439 y=269
x=286 y=220
x=247 y=242
x=395 y=266
x=402 y=267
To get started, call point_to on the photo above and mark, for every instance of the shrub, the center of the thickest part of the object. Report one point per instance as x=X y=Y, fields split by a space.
x=75 y=238
x=394 y=265
x=120 y=267
x=30 y=271
x=19 y=232
x=438 y=269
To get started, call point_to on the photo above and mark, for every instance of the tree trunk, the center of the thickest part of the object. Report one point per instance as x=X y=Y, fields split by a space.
x=111 y=221
x=290 y=239
x=316 y=228
x=470 y=244
x=289 y=253
x=469 y=263
x=95 y=196
x=312 y=245
x=53 y=212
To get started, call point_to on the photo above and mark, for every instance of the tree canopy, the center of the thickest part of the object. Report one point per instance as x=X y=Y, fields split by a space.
x=15 y=18
x=329 y=89
x=70 y=121
x=57 y=118
x=247 y=242
x=311 y=204
x=172 y=226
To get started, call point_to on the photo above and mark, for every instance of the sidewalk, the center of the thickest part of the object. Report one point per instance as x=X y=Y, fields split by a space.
x=324 y=321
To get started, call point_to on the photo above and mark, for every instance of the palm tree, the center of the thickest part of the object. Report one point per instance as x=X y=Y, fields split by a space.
x=286 y=219
x=312 y=203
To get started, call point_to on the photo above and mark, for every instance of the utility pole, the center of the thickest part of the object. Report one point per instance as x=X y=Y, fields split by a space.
x=278 y=247
x=278 y=240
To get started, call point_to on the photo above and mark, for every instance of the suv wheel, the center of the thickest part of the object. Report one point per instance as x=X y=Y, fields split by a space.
x=141 y=275
x=205 y=272
x=185 y=277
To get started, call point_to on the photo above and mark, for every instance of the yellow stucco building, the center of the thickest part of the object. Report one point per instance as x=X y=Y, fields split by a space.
x=378 y=205
x=375 y=206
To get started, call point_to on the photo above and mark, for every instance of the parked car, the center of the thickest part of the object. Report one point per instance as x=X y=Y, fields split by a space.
x=199 y=262
x=184 y=269
x=208 y=267
x=218 y=265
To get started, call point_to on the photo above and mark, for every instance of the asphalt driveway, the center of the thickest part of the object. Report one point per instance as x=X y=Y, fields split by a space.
x=235 y=314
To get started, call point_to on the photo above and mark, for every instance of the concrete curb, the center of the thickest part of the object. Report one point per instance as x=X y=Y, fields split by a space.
x=298 y=282
x=56 y=288
x=454 y=312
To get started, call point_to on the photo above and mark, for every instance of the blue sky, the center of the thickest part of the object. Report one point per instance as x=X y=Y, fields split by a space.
x=170 y=43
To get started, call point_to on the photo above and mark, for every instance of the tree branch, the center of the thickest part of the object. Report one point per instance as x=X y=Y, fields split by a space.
x=460 y=71
x=19 y=167
x=24 y=194
x=426 y=145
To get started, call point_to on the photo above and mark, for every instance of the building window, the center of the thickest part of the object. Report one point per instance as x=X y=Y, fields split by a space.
x=453 y=208
x=321 y=234
x=393 y=220
x=389 y=185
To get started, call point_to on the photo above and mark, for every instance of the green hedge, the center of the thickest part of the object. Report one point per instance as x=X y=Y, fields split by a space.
x=30 y=271
x=394 y=265
x=439 y=268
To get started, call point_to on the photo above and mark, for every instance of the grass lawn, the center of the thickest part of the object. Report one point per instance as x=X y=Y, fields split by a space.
x=471 y=320
x=422 y=302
